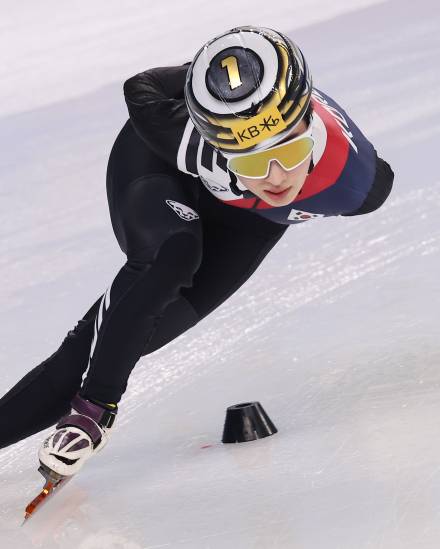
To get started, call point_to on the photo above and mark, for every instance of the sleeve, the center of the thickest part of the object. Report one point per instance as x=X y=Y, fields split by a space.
x=157 y=108
x=380 y=189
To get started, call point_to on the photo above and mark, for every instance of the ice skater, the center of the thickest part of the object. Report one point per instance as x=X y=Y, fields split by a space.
x=218 y=158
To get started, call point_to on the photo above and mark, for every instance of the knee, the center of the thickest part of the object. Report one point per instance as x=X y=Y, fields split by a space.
x=181 y=254
x=177 y=259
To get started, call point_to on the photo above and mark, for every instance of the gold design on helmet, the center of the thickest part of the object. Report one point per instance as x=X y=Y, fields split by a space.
x=258 y=128
x=231 y=65
x=242 y=133
x=286 y=106
x=282 y=81
x=300 y=105
x=237 y=133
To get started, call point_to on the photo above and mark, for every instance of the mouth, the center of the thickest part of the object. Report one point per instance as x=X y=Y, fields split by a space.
x=278 y=194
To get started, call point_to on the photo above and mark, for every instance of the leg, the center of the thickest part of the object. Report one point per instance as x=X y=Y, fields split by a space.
x=163 y=252
x=151 y=211
x=43 y=395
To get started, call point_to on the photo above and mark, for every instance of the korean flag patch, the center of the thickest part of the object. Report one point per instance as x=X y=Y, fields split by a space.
x=298 y=215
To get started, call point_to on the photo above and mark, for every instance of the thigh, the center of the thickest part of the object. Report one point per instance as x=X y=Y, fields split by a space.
x=230 y=257
x=149 y=200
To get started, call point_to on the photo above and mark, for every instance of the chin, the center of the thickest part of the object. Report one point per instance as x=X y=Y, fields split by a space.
x=272 y=203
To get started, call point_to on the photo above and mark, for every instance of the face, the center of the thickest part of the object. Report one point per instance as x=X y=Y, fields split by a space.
x=280 y=187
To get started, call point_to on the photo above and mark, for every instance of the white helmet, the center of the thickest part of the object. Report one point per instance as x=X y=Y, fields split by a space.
x=247 y=88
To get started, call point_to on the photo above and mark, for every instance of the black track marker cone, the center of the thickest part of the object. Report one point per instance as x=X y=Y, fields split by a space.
x=247 y=421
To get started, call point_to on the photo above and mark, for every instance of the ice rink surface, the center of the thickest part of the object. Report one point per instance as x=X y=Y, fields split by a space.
x=336 y=334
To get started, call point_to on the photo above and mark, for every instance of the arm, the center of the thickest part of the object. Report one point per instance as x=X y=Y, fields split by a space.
x=381 y=188
x=157 y=108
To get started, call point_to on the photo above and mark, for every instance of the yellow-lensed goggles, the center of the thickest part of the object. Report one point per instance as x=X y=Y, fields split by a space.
x=289 y=155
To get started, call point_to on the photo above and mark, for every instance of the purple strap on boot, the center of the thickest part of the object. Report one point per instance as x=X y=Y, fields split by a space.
x=84 y=423
x=90 y=415
x=83 y=406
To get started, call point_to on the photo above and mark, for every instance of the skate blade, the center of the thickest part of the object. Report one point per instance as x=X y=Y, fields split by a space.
x=54 y=482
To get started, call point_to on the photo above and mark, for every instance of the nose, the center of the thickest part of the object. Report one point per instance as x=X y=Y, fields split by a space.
x=277 y=174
